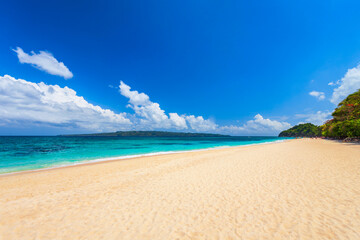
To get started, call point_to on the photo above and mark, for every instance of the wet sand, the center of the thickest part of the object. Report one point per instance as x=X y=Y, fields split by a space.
x=298 y=189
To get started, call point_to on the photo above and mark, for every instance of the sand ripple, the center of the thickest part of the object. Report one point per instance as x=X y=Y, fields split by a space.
x=300 y=189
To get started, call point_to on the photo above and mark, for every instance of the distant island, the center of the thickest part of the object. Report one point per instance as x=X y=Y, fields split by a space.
x=146 y=134
x=345 y=123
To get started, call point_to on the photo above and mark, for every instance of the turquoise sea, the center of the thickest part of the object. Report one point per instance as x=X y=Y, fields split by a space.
x=29 y=153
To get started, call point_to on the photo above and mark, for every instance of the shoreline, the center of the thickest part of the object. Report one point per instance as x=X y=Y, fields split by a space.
x=128 y=157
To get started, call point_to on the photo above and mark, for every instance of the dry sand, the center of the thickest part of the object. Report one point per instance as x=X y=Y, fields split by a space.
x=299 y=189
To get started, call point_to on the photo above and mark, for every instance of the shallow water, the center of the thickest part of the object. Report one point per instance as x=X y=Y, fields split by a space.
x=29 y=153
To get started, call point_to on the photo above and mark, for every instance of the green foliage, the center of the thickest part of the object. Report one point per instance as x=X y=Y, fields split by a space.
x=302 y=130
x=346 y=119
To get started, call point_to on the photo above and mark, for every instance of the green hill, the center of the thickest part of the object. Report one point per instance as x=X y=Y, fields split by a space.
x=346 y=119
x=302 y=130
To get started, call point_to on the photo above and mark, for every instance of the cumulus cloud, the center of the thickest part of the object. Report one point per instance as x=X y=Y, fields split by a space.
x=44 y=61
x=319 y=95
x=259 y=125
x=347 y=85
x=178 y=121
x=317 y=118
x=27 y=102
x=201 y=124
x=39 y=104
x=149 y=115
x=152 y=116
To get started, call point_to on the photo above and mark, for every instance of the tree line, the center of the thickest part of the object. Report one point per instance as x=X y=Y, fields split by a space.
x=344 y=124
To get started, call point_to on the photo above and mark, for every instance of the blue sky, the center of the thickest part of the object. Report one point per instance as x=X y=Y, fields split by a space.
x=235 y=67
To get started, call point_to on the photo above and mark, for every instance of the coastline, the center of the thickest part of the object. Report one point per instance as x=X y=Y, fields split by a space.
x=298 y=189
x=129 y=157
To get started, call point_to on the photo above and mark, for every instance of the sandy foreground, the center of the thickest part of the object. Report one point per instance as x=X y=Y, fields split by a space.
x=299 y=189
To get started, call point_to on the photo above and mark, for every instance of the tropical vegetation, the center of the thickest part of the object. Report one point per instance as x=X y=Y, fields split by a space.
x=344 y=124
x=346 y=119
x=302 y=130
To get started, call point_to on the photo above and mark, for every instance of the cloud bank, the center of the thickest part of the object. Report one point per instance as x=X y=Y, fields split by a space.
x=151 y=116
x=38 y=103
x=25 y=103
x=259 y=125
x=318 y=118
x=44 y=61
x=347 y=85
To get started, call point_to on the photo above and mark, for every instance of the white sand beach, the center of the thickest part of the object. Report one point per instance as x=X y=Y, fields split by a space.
x=298 y=189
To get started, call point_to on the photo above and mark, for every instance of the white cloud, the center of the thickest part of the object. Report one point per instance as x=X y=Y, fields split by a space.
x=27 y=102
x=258 y=125
x=317 y=118
x=201 y=124
x=319 y=95
x=348 y=84
x=152 y=116
x=261 y=123
x=150 y=113
x=179 y=121
x=38 y=104
x=44 y=61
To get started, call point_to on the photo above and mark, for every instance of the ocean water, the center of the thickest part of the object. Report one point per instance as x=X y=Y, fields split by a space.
x=29 y=153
